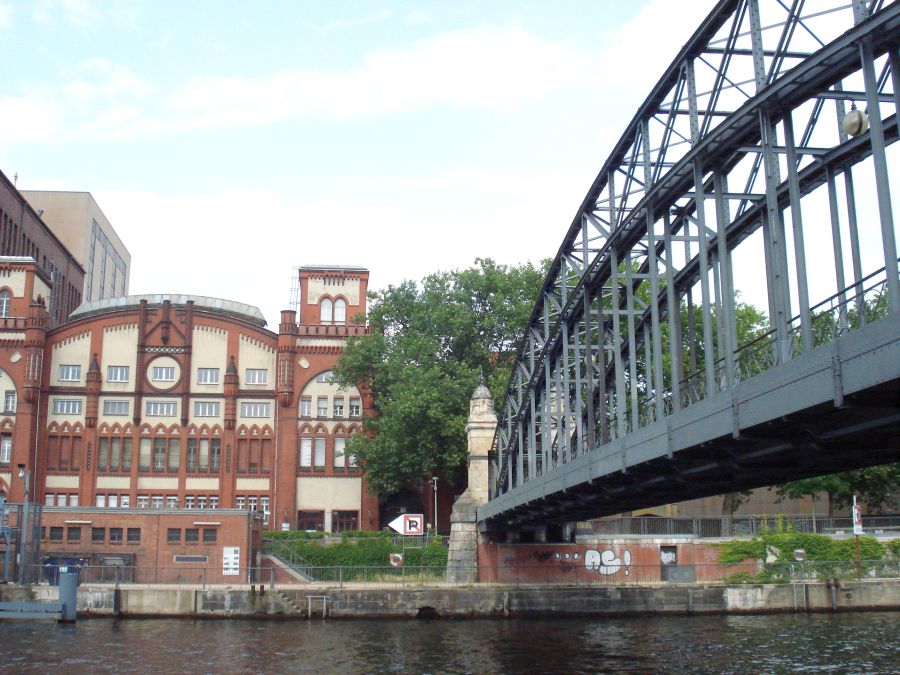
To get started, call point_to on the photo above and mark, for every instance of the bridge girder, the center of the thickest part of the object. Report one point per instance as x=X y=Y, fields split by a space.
x=636 y=322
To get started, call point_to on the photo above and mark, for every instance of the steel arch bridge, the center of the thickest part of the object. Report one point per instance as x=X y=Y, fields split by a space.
x=760 y=160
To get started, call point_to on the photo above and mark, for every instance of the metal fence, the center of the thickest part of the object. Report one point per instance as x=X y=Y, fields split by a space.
x=14 y=547
x=735 y=526
x=387 y=577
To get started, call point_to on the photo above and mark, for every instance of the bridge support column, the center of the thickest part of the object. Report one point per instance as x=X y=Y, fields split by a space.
x=462 y=564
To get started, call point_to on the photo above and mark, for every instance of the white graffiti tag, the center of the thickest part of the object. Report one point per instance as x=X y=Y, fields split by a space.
x=606 y=562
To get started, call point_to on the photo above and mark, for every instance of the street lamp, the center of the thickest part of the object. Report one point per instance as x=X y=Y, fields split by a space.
x=26 y=475
x=434 y=482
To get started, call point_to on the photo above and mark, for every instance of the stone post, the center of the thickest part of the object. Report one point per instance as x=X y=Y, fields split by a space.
x=462 y=565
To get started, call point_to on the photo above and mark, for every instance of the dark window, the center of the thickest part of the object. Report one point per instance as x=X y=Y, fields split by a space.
x=209 y=536
x=115 y=535
x=343 y=521
x=192 y=534
x=134 y=535
x=43 y=533
x=98 y=535
x=311 y=520
x=174 y=535
x=73 y=536
x=56 y=534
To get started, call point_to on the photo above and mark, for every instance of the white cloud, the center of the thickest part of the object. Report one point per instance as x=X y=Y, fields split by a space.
x=416 y=18
x=494 y=68
x=357 y=22
x=5 y=16
x=78 y=13
x=635 y=56
x=86 y=14
x=24 y=119
x=497 y=68
x=511 y=217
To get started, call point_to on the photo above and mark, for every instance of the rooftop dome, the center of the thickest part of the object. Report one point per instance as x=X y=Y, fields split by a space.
x=236 y=309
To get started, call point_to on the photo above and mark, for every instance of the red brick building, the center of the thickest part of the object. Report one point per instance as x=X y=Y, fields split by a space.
x=186 y=402
x=153 y=546
x=58 y=280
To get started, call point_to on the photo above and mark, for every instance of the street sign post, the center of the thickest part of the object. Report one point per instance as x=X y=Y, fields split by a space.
x=408 y=524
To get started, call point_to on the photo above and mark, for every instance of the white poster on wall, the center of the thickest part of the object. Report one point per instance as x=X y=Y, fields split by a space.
x=231 y=560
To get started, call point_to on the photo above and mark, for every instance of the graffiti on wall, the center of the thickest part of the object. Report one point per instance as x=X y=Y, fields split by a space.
x=607 y=562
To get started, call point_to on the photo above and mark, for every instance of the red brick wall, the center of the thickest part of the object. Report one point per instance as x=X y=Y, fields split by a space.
x=154 y=556
x=616 y=561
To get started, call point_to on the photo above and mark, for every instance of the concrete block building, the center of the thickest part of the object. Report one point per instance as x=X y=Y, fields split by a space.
x=83 y=228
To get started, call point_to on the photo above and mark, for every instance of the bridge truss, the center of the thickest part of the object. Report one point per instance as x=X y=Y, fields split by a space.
x=737 y=165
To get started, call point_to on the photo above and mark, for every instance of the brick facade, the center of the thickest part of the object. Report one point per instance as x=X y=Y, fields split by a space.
x=182 y=402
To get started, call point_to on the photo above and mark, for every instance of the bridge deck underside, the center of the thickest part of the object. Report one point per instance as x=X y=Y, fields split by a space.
x=780 y=426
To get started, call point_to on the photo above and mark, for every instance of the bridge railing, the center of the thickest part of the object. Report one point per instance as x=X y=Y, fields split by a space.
x=734 y=526
x=847 y=310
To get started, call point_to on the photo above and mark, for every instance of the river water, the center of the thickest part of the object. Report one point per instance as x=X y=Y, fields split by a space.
x=785 y=643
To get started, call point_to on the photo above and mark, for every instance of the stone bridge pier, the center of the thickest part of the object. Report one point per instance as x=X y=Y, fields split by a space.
x=462 y=566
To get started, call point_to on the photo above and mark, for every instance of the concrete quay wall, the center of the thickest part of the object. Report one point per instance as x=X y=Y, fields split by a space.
x=481 y=601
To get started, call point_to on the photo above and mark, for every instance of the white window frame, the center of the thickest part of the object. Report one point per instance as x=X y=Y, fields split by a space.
x=171 y=501
x=256 y=376
x=325 y=378
x=69 y=372
x=357 y=404
x=163 y=374
x=319 y=452
x=112 y=408
x=9 y=402
x=162 y=408
x=340 y=311
x=256 y=409
x=326 y=311
x=5 y=448
x=117 y=373
x=340 y=454
x=67 y=406
x=5 y=297
x=306 y=452
x=305 y=406
x=207 y=376
x=322 y=408
x=206 y=408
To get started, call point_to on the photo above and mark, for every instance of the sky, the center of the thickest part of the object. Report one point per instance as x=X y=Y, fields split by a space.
x=229 y=142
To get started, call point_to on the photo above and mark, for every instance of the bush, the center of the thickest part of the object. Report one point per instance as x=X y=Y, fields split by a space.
x=740 y=578
x=373 y=551
x=818 y=547
x=292 y=535
x=894 y=548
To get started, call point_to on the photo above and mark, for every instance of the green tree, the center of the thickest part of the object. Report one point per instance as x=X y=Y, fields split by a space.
x=871 y=485
x=429 y=344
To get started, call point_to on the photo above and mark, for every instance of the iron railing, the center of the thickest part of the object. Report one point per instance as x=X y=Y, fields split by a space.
x=736 y=526
x=577 y=570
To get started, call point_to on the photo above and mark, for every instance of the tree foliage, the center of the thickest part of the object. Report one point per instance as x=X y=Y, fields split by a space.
x=871 y=485
x=429 y=344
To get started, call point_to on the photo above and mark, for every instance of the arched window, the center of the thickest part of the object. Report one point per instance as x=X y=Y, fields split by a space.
x=325 y=310
x=4 y=303
x=340 y=311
